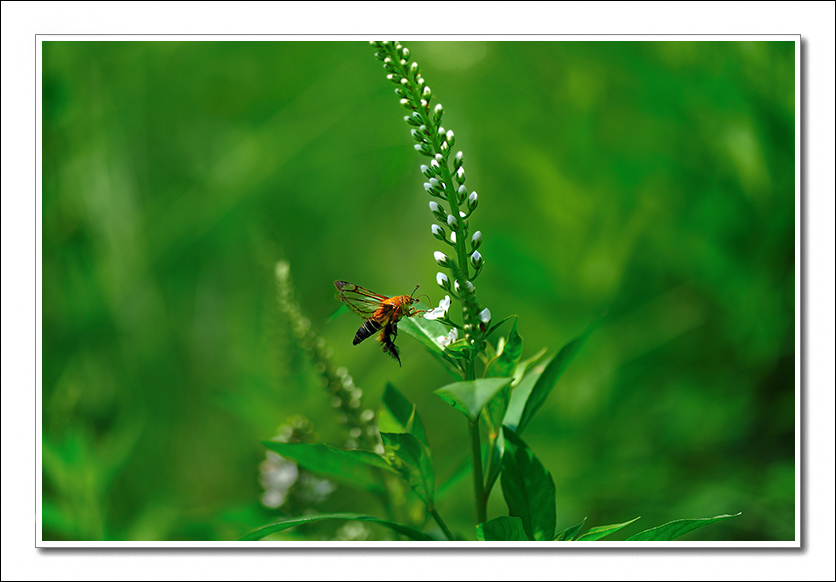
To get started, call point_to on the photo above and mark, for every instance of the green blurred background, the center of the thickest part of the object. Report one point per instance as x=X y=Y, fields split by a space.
x=651 y=181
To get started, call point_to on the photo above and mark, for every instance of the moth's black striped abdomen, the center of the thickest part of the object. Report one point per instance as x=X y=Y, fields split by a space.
x=367 y=329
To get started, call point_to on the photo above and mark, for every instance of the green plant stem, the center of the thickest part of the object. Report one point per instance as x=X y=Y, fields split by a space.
x=441 y=524
x=478 y=479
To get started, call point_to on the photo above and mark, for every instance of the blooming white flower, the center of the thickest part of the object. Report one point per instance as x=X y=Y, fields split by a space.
x=448 y=339
x=440 y=311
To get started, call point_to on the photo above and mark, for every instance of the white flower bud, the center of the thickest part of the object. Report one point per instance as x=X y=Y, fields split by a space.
x=485 y=316
x=476 y=240
x=476 y=260
x=441 y=259
x=472 y=201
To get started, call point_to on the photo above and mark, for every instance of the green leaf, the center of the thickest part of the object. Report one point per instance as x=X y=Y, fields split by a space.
x=460 y=473
x=350 y=467
x=675 y=529
x=503 y=365
x=528 y=489
x=470 y=398
x=288 y=523
x=457 y=348
x=402 y=415
x=520 y=394
x=501 y=529
x=497 y=324
x=519 y=371
x=598 y=532
x=495 y=411
x=569 y=533
x=524 y=406
x=412 y=460
x=493 y=414
x=427 y=332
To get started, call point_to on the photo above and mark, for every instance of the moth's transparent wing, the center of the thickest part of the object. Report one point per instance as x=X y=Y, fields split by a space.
x=360 y=300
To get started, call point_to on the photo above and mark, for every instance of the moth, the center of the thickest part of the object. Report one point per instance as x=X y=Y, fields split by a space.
x=380 y=312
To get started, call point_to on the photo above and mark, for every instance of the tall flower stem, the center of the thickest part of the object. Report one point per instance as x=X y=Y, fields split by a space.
x=436 y=143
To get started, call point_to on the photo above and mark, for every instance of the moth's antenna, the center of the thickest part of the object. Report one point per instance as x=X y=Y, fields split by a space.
x=414 y=290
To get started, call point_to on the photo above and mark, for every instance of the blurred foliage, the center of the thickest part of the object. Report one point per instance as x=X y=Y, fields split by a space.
x=651 y=181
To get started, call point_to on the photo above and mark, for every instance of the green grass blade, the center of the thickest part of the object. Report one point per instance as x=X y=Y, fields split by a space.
x=674 y=529
x=598 y=532
x=281 y=525
x=569 y=533
x=462 y=471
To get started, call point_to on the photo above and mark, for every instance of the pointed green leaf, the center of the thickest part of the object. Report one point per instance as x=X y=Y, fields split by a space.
x=402 y=415
x=674 y=529
x=503 y=365
x=288 y=523
x=528 y=489
x=569 y=533
x=502 y=529
x=412 y=460
x=520 y=394
x=350 y=467
x=598 y=532
x=495 y=326
x=544 y=383
x=519 y=371
x=470 y=398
